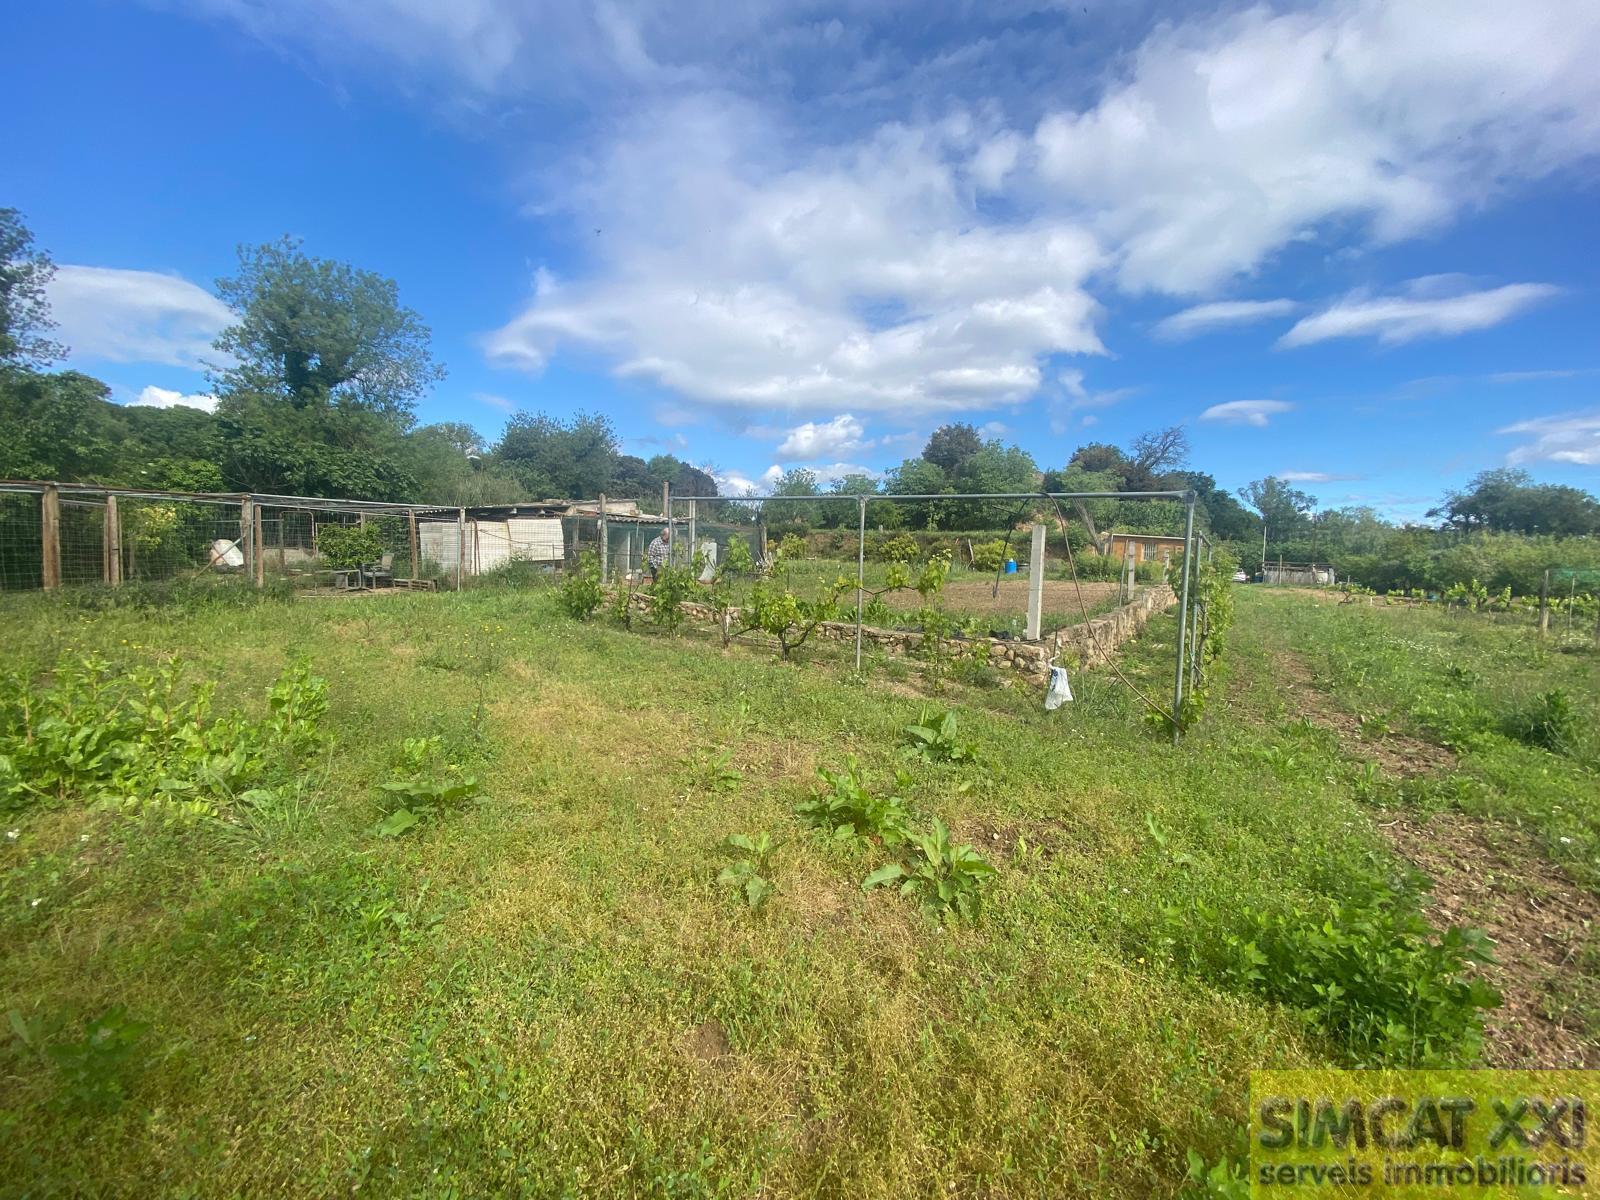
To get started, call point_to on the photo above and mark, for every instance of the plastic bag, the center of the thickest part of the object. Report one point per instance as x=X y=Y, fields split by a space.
x=1059 y=690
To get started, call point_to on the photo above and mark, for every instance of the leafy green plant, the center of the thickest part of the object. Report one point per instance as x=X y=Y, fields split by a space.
x=751 y=870
x=429 y=787
x=667 y=594
x=141 y=738
x=342 y=546
x=847 y=810
x=933 y=738
x=1226 y=1179
x=94 y=1067
x=581 y=594
x=717 y=772
x=946 y=878
x=1369 y=972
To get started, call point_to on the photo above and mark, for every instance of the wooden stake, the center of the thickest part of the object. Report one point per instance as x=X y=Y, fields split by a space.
x=50 y=537
x=258 y=555
x=411 y=517
x=113 y=542
x=1544 y=603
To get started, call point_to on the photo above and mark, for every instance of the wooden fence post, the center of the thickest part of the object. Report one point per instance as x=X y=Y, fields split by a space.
x=461 y=545
x=411 y=517
x=605 y=542
x=258 y=556
x=1544 y=603
x=50 y=537
x=113 y=542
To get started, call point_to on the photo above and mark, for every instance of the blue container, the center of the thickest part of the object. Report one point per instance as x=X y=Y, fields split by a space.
x=1011 y=566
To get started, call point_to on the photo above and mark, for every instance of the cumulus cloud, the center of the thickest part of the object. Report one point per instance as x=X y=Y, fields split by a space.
x=135 y=316
x=815 y=439
x=772 y=220
x=1221 y=314
x=1561 y=439
x=1431 y=307
x=158 y=397
x=1246 y=412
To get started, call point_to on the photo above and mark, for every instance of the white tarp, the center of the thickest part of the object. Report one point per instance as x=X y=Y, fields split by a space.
x=226 y=555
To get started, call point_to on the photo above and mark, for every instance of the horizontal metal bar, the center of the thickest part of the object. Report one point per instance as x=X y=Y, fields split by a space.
x=853 y=497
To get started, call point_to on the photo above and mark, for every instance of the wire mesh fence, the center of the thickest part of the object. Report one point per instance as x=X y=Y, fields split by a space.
x=1021 y=566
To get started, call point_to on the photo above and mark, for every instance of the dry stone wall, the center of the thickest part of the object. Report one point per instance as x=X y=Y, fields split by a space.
x=1090 y=644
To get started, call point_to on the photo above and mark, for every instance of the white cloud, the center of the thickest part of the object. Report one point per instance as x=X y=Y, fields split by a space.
x=1072 y=407
x=1230 y=138
x=1563 y=439
x=772 y=222
x=136 y=316
x=1246 y=412
x=494 y=401
x=1313 y=477
x=158 y=397
x=1431 y=307
x=815 y=439
x=860 y=276
x=1222 y=314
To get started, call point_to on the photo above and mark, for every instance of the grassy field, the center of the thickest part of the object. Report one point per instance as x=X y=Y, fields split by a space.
x=545 y=987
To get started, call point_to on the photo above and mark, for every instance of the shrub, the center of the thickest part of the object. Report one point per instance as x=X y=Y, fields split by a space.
x=341 y=546
x=901 y=548
x=428 y=787
x=988 y=556
x=581 y=594
x=791 y=547
x=751 y=870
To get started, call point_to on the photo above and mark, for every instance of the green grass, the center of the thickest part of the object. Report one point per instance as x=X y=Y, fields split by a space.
x=546 y=991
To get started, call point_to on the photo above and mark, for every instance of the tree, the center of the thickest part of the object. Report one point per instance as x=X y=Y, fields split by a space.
x=919 y=477
x=1224 y=516
x=1101 y=457
x=1154 y=457
x=552 y=459
x=994 y=468
x=796 y=481
x=317 y=333
x=24 y=308
x=951 y=446
x=1507 y=500
x=57 y=427
x=1282 y=507
x=271 y=446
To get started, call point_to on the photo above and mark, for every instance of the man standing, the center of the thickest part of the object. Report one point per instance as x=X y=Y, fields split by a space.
x=658 y=552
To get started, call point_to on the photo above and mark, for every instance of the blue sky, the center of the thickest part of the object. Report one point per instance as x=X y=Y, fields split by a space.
x=1353 y=243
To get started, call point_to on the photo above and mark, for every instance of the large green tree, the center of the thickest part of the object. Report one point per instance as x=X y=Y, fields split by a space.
x=1282 y=509
x=554 y=459
x=950 y=446
x=321 y=334
x=1507 y=500
x=25 y=322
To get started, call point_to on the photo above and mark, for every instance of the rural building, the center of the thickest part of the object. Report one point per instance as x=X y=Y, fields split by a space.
x=1144 y=547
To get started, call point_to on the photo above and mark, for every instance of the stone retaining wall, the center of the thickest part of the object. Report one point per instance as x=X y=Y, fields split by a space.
x=1090 y=644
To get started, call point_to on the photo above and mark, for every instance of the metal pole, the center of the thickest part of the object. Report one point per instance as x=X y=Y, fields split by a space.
x=694 y=533
x=666 y=512
x=605 y=541
x=861 y=568
x=1183 y=622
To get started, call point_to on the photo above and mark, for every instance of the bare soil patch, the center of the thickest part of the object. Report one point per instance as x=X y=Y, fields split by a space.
x=1493 y=877
x=707 y=1042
